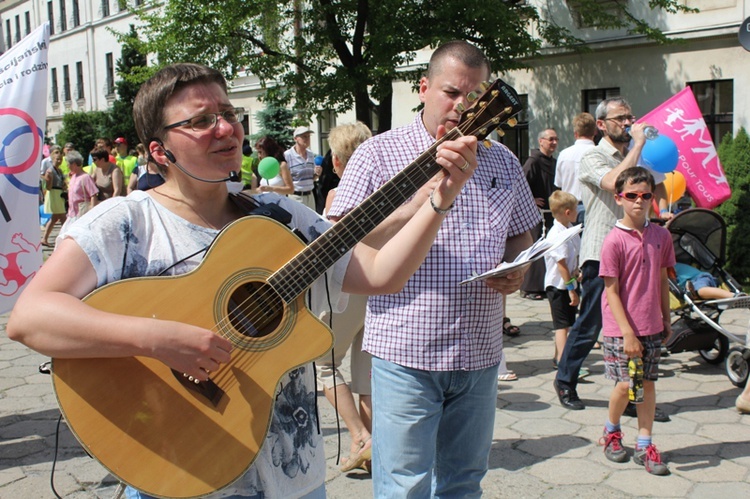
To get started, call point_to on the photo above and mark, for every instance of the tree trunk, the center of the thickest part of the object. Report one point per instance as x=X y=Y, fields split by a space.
x=385 y=115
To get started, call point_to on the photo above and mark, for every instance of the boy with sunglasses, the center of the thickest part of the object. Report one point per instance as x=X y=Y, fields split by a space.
x=635 y=311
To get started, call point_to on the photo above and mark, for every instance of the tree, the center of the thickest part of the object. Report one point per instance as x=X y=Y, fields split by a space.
x=129 y=70
x=735 y=158
x=274 y=121
x=82 y=128
x=339 y=54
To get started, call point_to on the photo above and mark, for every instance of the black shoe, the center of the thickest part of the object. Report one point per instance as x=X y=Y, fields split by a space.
x=659 y=415
x=568 y=398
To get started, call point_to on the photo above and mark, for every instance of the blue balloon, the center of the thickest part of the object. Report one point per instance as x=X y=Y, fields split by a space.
x=660 y=154
x=318 y=160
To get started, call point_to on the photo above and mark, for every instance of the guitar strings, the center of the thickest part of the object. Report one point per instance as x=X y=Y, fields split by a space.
x=250 y=313
x=256 y=315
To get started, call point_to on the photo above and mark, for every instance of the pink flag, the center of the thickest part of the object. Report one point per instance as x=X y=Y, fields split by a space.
x=680 y=119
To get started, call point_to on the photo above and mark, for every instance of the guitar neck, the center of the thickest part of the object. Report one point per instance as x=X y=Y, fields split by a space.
x=296 y=276
x=499 y=103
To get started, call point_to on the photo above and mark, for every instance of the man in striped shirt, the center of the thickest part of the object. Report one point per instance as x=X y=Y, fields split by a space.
x=301 y=161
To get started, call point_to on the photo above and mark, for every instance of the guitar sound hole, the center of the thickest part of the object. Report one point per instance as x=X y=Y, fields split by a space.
x=255 y=309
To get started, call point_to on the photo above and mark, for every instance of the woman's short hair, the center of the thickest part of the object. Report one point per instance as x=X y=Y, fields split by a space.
x=74 y=157
x=99 y=153
x=148 y=108
x=344 y=139
x=270 y=147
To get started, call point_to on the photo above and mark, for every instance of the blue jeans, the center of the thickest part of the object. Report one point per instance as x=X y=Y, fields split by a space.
x=585 y=331
x=432 y=430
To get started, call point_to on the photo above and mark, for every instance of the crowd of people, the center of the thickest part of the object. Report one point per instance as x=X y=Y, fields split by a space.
x=427 y=353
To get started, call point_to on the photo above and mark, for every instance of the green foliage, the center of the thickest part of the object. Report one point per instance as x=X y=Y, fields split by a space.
x=276 y=122
x=343 y=54
x=131 y=60
x=83 y=128
x=734 y=154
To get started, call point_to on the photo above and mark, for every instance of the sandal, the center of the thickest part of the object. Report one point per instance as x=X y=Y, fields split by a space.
x=359 y=459
x=507 y=376
x=532 y=296
x=509 y=329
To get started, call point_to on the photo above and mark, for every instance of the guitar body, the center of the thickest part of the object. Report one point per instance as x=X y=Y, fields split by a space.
x=156 y=430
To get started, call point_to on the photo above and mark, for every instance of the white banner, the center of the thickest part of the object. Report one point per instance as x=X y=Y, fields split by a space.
x=23 y=103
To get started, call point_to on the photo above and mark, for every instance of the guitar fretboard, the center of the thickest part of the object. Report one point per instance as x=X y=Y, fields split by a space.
x=296 y=276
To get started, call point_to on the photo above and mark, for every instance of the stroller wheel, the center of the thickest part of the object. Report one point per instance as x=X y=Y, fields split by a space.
x=719 y=351
x=737 y=366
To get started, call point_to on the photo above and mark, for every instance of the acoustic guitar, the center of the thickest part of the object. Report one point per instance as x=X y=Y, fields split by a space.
x=170 y=436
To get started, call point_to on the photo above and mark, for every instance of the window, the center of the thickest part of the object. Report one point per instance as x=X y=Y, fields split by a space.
x=27 y=21
x=716 y=102
x=76 y=14
x=592 y=98
x=18 y=28
x=105 y=8
x=79 y=81
x=63 y=16
x=8 y=36
x=66 y=83
x=53 y=76
x=51 y=17
x=110 y=90
x=517 y=138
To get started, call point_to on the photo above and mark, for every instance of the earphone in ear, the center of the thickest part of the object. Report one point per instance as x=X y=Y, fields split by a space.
x=166 y=152
x=169 y=155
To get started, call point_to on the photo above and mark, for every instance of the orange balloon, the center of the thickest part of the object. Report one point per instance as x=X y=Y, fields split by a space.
x=675 y=185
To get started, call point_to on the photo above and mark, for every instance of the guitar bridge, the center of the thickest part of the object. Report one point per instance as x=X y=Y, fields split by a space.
x=207 y=389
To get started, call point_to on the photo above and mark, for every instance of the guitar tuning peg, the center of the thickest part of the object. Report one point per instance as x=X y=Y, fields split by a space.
x=484 y=86
x=482 y=131
x=482 y=103
x=512 y=122
x=500 y=132
x=471 y=96
x=460 y=107
x=487 y=143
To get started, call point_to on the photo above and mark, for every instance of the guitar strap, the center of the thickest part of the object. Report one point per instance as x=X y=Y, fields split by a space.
x=251 y=206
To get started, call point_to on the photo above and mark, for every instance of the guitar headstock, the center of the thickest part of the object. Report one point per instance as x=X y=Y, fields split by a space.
x=497 y=105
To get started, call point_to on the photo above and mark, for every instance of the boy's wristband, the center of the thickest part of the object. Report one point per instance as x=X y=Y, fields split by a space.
x=664 y=212
x=570 y=286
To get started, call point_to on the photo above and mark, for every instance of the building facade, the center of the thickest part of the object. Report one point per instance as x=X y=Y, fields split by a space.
x=84 y=51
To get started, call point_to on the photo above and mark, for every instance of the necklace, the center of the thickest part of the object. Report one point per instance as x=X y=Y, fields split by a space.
x=185 y=203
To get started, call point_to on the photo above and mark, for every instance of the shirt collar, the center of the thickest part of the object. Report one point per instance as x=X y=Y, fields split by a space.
x=622 y=226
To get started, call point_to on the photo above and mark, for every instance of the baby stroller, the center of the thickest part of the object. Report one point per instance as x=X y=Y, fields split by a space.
x=699 y=238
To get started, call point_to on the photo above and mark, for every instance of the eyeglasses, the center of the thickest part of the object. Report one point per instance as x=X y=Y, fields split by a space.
x=622 y=118
x=551 y=139
x=632 y=196
x=208 y=121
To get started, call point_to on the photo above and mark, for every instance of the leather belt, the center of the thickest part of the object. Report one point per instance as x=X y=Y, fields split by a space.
x=300 y=193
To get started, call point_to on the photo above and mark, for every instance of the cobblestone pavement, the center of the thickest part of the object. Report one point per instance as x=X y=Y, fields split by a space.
x=539 y=448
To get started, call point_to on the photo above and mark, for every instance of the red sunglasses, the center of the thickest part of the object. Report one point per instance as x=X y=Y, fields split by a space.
x=632 y=196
